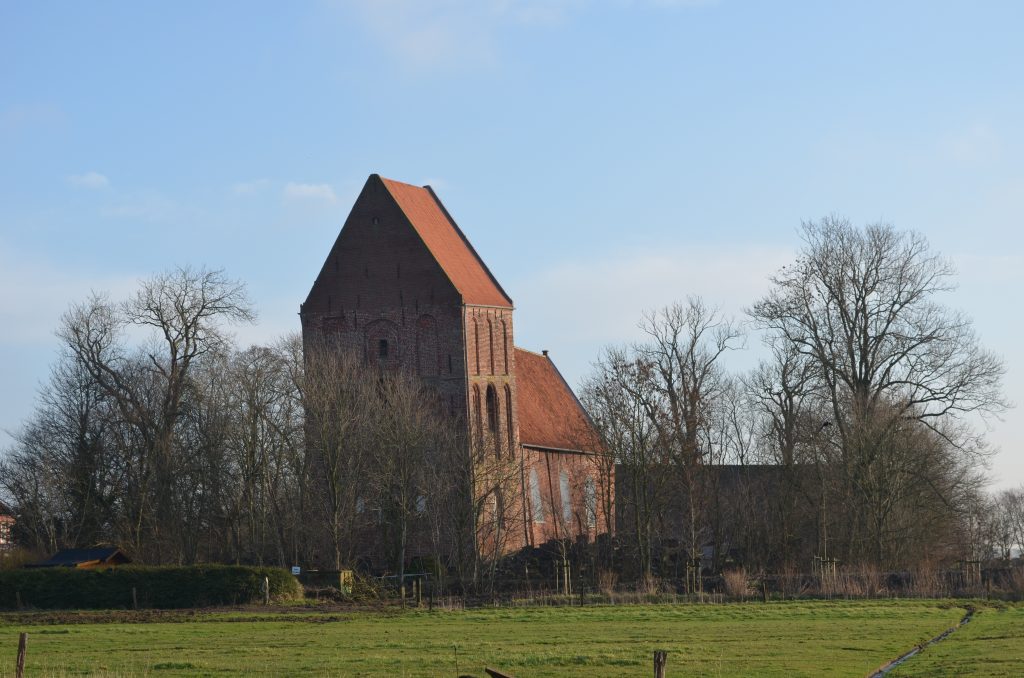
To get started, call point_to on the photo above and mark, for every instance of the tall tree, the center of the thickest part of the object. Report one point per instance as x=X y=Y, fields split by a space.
x=185 y=310
x=861 y=304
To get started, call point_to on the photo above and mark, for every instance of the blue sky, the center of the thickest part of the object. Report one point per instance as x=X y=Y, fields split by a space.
x=604 y=157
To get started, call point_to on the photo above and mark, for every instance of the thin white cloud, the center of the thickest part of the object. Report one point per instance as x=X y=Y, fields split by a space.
x=424 y=36
x=605 y=298
x=296 y=191
x=974 y=145
x=146 y=206
x=33 y=294
x=91 y=180
x=445 y=34
x=249 y=187
x=20 y=117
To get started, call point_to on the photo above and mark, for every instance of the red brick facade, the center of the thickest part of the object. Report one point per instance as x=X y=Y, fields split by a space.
x=403 y=287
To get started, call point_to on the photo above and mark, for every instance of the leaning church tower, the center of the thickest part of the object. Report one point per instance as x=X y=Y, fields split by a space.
x=402 y=286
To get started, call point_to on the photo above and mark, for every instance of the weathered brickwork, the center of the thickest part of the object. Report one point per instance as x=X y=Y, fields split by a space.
x=403 y=287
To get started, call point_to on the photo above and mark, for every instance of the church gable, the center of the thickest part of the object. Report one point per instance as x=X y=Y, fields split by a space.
x=378 y=261
x=448 y=245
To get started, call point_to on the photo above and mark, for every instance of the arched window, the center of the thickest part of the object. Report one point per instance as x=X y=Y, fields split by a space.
x=535 y=499
x=492 y=418
x=563 y=486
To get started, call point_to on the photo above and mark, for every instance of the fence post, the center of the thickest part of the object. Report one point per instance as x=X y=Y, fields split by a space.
x=266 y=590
x=19 y=672
x=135 y=599
x=660 y=659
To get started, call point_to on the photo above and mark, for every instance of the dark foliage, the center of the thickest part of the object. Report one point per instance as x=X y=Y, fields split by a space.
x=156 y=587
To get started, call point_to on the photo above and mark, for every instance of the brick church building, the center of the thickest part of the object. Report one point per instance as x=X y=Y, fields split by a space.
x=403 y=287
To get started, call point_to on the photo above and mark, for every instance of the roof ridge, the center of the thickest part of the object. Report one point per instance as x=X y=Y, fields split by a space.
x=447 y=244
x=572 y=392
x=444 y=210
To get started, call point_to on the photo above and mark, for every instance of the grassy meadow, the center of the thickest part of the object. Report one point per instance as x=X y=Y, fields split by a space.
x=818 y=638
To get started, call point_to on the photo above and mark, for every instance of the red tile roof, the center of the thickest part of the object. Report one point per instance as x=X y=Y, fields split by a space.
x=447 y=243
x=550 y=416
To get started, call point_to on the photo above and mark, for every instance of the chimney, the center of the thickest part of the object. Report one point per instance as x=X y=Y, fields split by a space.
x=545 y=352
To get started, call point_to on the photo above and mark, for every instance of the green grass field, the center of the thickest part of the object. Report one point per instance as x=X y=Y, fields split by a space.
x=841 y=638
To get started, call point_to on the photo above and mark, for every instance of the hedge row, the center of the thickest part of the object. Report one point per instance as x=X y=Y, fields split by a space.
x=155 y=587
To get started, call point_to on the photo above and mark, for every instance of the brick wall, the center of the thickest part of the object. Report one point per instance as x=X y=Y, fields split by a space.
x=381 y=294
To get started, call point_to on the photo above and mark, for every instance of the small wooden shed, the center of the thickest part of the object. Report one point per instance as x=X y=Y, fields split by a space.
x=108 y=556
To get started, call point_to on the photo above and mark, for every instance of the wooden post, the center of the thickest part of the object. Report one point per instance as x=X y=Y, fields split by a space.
x=660 y=659
x=419 y=592
x=430 y=596
x=764 y=587
x=135 y=599
x=17 y=598
x=266 y=590
x=19 y=672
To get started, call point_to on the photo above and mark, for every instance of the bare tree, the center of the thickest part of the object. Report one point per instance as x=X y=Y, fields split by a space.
x=616 y=396
x=408 y=431
x=185 y=310
x=859 y=305
x=681 y=359
x=339 y=393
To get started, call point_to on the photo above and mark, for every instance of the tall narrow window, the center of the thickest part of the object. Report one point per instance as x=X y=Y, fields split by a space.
x=535 y=499
x=476 y=345
x=563 y=486
x=476 y=414
x=590 y=501
x=508 y=421
x=499 y=509
x=490 y=344
x=504 y=347
x=492 y=418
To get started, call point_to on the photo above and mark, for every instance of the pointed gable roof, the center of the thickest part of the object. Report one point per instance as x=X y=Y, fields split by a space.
x=448 y=244
x=550 y=416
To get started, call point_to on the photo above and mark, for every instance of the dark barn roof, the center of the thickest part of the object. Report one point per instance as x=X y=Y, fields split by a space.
x=108 y=555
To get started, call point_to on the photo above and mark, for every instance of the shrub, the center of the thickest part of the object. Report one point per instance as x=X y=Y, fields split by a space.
x=736 y=583
x=156 y=587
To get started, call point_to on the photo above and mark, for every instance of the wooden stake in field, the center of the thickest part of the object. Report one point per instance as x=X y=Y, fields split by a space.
x=660 y=659
x=266 y=590
x=19 y=672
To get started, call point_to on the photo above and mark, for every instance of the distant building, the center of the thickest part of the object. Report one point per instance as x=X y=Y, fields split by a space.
x=107 y=556
x=403 y=287
x=6 y=527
